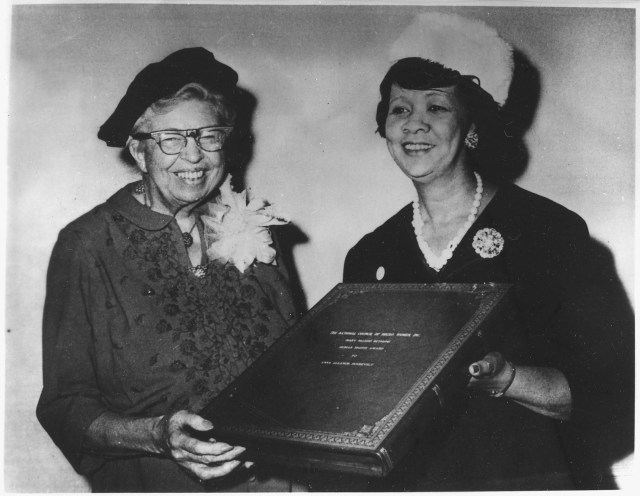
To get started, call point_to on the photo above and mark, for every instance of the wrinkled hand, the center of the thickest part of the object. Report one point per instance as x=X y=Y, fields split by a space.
x=204 y=459
x=491 y=374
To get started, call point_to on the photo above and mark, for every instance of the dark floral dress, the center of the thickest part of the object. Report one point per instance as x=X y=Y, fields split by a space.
x=129 y=328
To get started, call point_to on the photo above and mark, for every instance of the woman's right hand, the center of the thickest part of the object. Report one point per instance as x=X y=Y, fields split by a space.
x=204 y=459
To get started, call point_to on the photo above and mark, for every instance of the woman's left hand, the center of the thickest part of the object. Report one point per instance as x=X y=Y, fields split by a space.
x=493 y=374
x=544 y=390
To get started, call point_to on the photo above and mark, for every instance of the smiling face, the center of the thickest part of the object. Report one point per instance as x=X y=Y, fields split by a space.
x=177 y=181
x=425 y=131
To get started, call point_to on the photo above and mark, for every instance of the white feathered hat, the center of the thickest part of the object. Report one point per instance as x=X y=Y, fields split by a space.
x=468 y=46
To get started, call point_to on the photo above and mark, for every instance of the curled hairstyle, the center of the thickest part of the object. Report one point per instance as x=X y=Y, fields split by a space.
x=221 y=105
x=497 y=145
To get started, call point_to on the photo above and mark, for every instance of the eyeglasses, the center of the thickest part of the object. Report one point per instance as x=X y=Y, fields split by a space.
x=171 y=142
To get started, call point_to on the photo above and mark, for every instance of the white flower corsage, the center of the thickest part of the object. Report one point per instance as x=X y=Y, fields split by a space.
x=237 y=231
x=488 y=242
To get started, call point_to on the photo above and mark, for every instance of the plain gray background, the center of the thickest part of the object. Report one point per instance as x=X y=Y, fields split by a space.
x=314 y=71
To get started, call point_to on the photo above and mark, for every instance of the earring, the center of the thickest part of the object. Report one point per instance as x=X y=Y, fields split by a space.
x=139 y=188
x=471 y=140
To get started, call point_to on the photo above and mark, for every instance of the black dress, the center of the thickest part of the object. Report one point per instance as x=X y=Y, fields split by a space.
x=574 y=317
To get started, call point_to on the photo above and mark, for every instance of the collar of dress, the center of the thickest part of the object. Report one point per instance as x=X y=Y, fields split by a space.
x=126 y=205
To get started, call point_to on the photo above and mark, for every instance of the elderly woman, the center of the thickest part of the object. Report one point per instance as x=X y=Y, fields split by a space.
x=534 y=407
x=153 y=306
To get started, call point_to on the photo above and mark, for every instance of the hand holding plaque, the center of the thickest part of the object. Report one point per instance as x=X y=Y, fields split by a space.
x=350 y=385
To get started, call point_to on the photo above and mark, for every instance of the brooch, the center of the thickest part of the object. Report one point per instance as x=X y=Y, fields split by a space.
x=488 y=243
x=237 y=229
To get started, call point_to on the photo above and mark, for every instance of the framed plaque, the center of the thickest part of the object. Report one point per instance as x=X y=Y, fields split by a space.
x=353 y=383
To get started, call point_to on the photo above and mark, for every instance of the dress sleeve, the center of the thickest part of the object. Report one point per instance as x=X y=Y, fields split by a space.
x=593 y=333
x=350 y=264
x=355 y=263
x=592 y=325
x=70 y=399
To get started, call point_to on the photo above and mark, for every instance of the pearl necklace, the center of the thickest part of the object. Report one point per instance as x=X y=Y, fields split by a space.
x=434 y=261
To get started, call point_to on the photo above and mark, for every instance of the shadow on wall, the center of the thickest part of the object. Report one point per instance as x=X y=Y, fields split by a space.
x=609 y=436
x=611 y=427
x=519 y=112
x=611 y=430
x=242 y=144
x=241 y=141
x=289 y=236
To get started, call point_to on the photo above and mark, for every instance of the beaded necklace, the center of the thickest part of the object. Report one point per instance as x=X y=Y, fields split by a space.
x=437 y=262
x=187 y=239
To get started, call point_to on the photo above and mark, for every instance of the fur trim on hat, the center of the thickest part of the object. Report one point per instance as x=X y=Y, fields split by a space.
x=468 y=46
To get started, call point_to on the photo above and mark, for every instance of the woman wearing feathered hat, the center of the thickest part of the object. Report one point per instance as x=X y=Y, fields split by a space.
x=533 y=406
x=161 y=296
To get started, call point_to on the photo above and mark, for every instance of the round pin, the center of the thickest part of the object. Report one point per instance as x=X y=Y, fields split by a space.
x=380 y=273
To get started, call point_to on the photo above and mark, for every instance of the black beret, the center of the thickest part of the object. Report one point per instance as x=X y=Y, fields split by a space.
x=159 y=80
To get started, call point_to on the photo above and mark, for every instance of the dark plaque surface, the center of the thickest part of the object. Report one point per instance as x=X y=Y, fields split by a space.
x=349 y=386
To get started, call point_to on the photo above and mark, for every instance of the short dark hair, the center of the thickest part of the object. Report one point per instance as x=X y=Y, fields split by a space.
x=497 y=147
